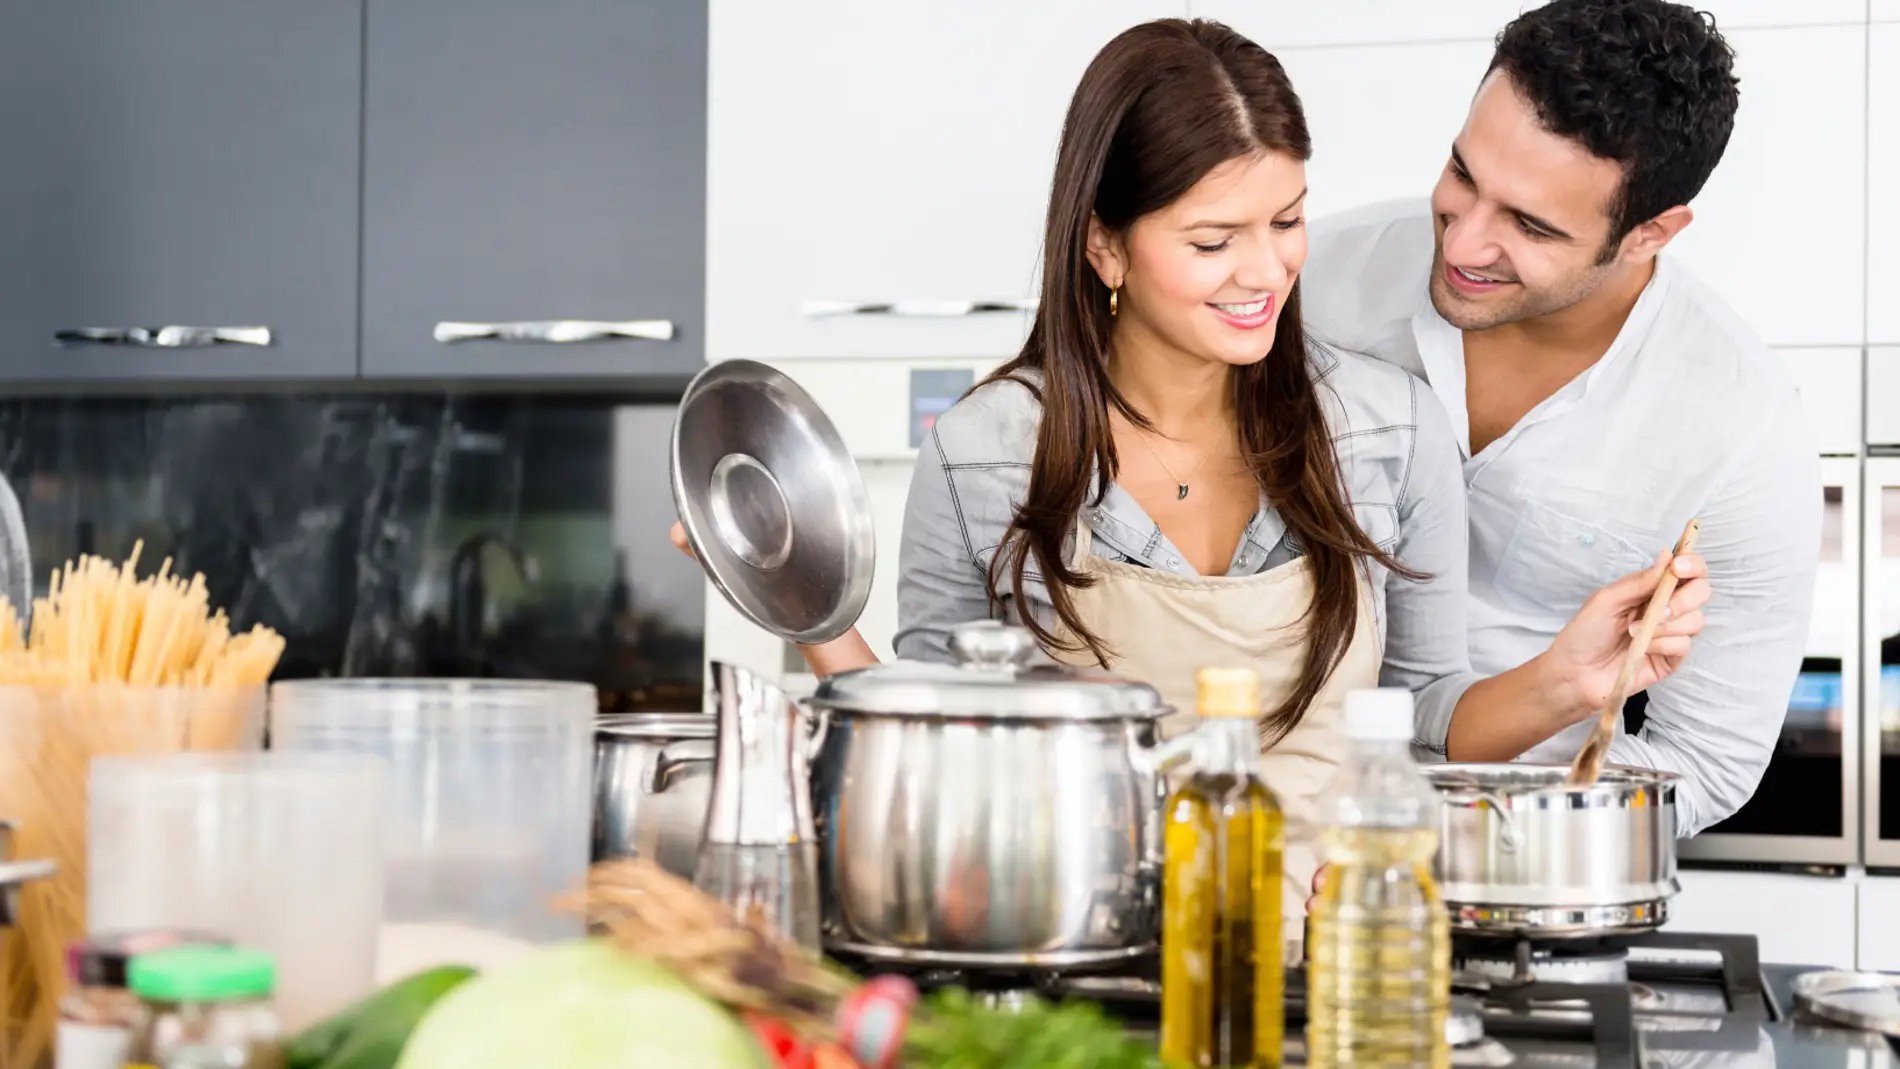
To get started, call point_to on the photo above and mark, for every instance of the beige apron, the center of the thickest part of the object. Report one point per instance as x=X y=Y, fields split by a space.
x=1160 y=628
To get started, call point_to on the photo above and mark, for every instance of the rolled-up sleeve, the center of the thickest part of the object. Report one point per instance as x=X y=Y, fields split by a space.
x=1715 y=721
x=1426 y=648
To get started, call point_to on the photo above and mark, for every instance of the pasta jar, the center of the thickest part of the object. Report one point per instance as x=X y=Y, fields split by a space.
x=99 y=1012
x=205 y=1007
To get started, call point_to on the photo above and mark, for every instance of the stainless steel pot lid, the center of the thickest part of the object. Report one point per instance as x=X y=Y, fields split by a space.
x=772 y=502
x=657 y=726
x=997 y=673
x=1856 y=999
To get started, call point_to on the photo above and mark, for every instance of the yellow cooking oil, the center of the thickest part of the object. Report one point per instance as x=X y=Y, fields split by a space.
x=1378 y=968
x=1223 y=977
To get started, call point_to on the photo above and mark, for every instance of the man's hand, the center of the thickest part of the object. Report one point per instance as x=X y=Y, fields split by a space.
x=1588 y=653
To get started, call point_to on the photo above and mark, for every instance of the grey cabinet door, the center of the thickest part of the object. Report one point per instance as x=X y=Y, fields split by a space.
x=179 y=163
x=527 y=164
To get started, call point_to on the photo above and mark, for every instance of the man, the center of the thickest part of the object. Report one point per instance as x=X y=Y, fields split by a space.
x=1603 y=396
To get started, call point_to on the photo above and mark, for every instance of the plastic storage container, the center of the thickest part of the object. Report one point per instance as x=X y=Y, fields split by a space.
x=276 y=851
x=489 y=814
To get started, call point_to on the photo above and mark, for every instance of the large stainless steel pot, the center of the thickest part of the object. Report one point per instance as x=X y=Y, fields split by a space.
x=990 y=813
x=1520 y=853
x=652 y=784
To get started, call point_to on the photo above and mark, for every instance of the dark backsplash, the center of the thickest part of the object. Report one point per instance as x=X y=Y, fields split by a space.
x=388 y=534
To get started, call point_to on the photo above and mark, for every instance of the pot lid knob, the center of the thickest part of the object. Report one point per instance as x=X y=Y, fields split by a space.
x=990 y=644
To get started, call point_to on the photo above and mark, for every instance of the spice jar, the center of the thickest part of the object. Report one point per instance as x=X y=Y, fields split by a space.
x=205 y=1008
x=98 y=1013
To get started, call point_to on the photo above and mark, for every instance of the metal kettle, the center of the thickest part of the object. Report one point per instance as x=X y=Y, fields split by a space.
x=760 y=850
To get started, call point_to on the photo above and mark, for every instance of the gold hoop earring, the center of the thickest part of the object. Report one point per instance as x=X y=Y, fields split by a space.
x=1114 y=300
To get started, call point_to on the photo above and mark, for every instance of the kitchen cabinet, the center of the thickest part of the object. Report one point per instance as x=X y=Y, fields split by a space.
x=1781 y=235
x=1883 y=395
x=1879 y=924
x=1370 y=145
x=1278 y=24
x=879 y=173
x=1830 y=385
x=534 y=172
x=1802 y=919
x=1883 y=180
x=1884 y=10
x=179 y=164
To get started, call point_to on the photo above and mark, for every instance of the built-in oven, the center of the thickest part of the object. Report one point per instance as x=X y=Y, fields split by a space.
x=1881 y=675
x=1806 y=813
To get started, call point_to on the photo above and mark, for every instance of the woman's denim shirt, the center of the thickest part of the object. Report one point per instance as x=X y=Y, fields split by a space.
x=1397 y=456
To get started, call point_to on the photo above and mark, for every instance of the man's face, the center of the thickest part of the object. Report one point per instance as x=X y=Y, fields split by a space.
x=1522 y=216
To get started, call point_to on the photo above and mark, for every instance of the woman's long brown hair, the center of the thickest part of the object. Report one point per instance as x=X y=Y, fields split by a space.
x=1159 y=107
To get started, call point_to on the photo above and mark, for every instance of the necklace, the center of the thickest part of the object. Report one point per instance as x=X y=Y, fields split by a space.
x=1180 y=484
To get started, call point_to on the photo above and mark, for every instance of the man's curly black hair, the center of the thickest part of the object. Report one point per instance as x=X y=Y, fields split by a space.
x=1648 y=84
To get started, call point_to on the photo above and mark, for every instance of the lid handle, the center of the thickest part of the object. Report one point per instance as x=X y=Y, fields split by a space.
x=990 y=644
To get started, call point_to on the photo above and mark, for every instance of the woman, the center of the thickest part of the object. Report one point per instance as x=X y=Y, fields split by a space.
x=1170 y=475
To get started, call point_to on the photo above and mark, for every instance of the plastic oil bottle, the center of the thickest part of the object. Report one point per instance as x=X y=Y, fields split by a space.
x=1224 y=841
x=1378 y=972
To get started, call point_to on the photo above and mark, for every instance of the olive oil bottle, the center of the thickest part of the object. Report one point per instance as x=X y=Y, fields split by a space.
x=1223 y=974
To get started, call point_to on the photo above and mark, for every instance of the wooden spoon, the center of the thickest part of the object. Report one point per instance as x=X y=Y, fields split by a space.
x=1589 y=763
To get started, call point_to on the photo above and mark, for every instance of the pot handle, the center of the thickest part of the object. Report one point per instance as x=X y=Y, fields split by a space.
x=673 y=756
x=1510 y=836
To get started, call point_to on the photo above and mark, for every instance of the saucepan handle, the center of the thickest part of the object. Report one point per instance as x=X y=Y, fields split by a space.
x=675 y=755
x=1510 y=836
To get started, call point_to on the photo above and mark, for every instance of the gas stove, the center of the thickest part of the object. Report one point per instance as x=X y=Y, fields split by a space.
x=1661 y=998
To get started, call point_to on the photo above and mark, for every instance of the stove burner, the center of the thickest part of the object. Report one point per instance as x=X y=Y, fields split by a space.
x=1464 y=1024
x=1594 y=965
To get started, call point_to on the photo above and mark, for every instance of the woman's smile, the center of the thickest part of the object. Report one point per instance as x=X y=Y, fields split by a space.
x=1251 y=315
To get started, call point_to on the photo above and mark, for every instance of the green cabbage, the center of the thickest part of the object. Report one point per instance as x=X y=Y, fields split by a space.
x=581 y=1005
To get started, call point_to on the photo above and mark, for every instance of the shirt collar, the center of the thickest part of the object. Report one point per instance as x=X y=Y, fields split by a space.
x=1441 y=351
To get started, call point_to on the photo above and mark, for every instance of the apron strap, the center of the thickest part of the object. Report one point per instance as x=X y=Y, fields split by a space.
x=1084 y=541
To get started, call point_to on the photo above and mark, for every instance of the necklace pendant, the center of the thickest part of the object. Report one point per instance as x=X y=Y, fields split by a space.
x=1182 y=495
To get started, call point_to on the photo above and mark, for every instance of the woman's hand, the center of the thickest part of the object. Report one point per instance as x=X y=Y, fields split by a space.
x=1588 y=653
x=841 y=654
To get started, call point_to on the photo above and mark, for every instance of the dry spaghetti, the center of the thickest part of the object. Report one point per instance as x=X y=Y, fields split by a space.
x=99 y=623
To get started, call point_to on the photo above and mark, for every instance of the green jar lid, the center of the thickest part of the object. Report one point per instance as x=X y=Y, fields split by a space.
x=202 y=974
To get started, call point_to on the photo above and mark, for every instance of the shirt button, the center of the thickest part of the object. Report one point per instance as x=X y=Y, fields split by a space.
x=1586 y=540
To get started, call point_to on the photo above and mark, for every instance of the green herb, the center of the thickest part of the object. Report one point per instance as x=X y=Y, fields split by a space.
x=952 y=1030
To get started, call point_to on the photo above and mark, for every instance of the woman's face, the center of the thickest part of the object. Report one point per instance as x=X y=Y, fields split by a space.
x=1207 y=275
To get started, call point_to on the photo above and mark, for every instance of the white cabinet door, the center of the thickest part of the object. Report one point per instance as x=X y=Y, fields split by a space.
x=1829 y=381
x=1885 y=10
x=1761 y=904
x=1780 y=232
x=1369 y=144
x=863 y=153
x=1278 y=24
x=1883 y=178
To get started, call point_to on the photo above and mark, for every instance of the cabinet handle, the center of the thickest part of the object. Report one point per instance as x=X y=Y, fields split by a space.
x=918 y=309
x=165 y=337
x=556 y=330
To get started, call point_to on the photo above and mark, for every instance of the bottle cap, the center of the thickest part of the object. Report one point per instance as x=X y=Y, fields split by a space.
x=203 y=974
x=1227 y=692
x=1382 y=715
x=104 y=960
